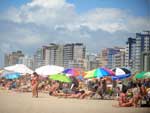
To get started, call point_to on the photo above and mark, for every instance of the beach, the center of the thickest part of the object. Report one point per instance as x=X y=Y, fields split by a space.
x=14 y=102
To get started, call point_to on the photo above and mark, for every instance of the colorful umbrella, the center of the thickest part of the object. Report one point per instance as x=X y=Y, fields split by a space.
x=60 y=77
x=112 y=73
x=98 y=73
x=90 y=74
x=74 y=72
x=121 y=71
x=120 y=77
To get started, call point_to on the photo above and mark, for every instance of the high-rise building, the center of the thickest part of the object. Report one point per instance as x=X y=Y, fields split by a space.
x=73 y=52
x=118 y=59
x=142 y=45
x=39 y=58
x=13 y=58
x=79 y=63
x=91 y=61
x=130 y=52
x=26 y=60
x=51 y=54
x=79 y=51
x=59 y=56
x=67 y=55
x=145 y=66
x=54 y=54
x=106 y=56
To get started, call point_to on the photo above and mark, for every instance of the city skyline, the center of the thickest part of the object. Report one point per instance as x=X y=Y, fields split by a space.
x=28 y=24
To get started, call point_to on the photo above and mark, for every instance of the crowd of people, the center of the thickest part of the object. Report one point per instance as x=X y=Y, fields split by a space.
x=133 y=93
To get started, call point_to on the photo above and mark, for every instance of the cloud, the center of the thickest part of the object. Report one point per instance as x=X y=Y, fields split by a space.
x=42 y=12
x=56 y=13
x=47 y=3
x=41 y=22
x=108 y=19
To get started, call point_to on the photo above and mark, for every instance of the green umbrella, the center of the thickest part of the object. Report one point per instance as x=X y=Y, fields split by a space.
x=140 y=75
x=60 y=77
x=147 y=75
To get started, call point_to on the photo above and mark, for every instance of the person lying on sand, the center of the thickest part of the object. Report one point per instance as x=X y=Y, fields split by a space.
x=77 y=94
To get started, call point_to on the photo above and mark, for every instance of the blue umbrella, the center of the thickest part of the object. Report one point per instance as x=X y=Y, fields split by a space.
x=100 y=72
x=12 y=75
x=120 y=77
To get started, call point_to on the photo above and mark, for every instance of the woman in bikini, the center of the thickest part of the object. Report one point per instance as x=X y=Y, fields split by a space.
x=123 y=101
x=35 y=83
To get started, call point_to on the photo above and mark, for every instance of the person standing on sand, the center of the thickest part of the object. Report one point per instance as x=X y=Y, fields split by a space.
x=35 y=83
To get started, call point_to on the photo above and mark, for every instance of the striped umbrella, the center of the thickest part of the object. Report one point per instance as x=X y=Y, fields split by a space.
x=121 y=73
x=98 y=73
x=74 y=72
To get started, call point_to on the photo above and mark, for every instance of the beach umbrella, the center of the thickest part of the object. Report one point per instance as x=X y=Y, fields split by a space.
x=49 y=70
x=12 y=75
x=90 y=74
x=74 y=72
x=120 y=77
x=112 y=73
x=60 y=77
x=142 y=75
x=97 y=73
x=101 y=72
x=121 y=71
x=20 y=68
x=147 y=75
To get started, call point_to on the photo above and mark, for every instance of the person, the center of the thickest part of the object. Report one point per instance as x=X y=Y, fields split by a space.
x=136 y=93
x=35 y=83
x=54 y=89
x=77 y=94
x=123 y=101
x=102 y=86
x=90 y=93
x=118 y=91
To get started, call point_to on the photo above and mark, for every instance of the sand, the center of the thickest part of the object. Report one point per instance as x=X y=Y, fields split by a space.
x=11 y=102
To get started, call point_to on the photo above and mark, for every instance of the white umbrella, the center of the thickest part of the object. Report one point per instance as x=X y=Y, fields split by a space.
x=49 y=70
x=20 y=68
x=119 y=72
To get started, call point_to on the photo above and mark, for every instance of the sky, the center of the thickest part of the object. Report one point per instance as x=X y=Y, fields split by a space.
x=29 y=24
